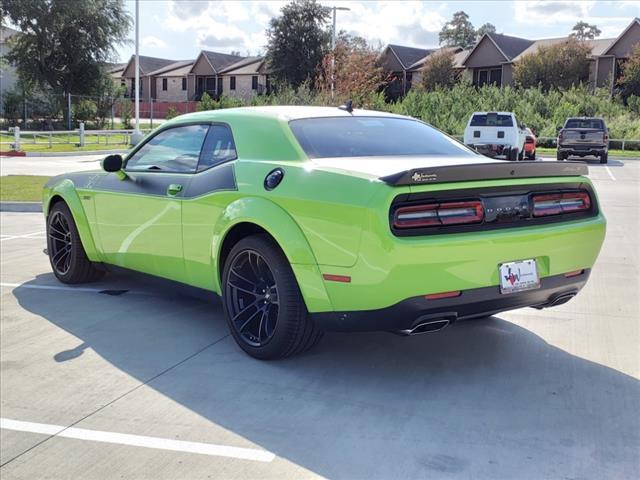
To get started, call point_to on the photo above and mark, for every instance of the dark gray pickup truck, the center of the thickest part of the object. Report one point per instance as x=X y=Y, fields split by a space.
x=583 y=136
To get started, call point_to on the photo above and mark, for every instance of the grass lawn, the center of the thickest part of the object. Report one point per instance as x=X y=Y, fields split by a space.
x=92 y=142
x=23 y=188
x=612 y=153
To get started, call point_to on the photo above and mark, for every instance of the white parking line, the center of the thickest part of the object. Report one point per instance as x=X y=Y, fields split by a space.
x=139 y=440
x=52 y=287
x=610 y=173
x=28 y=235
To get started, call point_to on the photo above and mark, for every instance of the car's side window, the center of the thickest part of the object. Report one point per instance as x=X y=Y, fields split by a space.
x=219 y=147
x=175 y=150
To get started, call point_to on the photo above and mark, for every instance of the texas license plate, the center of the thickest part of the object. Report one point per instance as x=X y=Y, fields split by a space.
x=519 y=276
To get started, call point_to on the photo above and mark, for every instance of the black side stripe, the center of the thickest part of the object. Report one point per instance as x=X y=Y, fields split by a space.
x=218 y=178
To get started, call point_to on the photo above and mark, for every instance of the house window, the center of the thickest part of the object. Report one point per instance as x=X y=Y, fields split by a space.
x=164 y=84
x=184 y=84
x=210 y=84
x=254 y=82
x=232 y=83
x=489 y=76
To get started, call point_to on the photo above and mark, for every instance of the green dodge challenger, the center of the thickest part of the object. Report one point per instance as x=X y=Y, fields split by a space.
x=306 y=219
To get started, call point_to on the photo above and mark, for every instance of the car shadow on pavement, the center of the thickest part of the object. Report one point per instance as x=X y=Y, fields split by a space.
x=481 y=399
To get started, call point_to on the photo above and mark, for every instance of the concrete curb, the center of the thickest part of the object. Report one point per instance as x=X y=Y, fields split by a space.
x=74 y=154
x=20 y=207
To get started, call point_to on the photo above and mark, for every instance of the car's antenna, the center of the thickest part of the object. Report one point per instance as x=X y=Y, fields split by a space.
x=348 y=106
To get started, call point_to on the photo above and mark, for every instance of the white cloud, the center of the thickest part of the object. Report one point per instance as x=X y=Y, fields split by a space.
x=551 y=11
x=153 y=42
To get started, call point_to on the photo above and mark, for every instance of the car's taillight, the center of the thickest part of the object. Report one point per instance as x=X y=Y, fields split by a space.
x=450 y=213
x=557 y=203
x=528 y=139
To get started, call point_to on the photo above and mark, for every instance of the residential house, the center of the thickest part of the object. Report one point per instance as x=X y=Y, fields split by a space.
x=206 y=74
x=415 y=70
x=246 y=78
x=396 y=61
x=491 y=60
x=8 y=75
x=608 y=64
x=171 y=81
x=148 y=65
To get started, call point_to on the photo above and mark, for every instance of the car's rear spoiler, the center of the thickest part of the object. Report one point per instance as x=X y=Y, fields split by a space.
x=485 y=171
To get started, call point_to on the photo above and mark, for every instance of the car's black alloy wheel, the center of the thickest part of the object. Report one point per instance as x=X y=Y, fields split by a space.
x=60 y=243
x=252 y=298
x=68 y=259
x=265 y=310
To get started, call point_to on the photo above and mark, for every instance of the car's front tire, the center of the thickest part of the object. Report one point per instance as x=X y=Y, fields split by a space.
x=265 y=310
x=68 y=259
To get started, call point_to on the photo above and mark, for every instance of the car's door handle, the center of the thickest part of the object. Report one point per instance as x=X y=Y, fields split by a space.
x=174 y=189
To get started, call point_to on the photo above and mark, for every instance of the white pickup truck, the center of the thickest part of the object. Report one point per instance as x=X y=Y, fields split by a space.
x=496 y=133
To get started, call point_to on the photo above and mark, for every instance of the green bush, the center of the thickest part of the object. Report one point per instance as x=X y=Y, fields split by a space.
x=172 y=112
x=84 y=111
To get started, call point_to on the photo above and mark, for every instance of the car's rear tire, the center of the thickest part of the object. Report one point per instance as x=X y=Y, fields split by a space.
x=531 y=156
x=263 y=305
x=604 y=158
x=560 y=156
x=521 y=154
x=513 y=154
x=68 y=259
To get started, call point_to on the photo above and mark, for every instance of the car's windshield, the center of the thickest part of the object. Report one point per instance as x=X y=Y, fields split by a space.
x=491 y=120
x=585 y=123
x=372 y=137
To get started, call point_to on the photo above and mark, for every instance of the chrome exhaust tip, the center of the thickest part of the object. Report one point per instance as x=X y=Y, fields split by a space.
x=427 y=327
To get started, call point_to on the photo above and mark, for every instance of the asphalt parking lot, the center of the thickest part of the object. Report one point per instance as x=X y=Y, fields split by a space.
x=129 y=379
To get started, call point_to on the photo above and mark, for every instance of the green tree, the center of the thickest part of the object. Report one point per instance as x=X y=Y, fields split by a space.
x=554 y=66
x=630 y=79
x=297 y=41
x=84 y=110
x=357 y=75
x=584 y=31
x=458 y=32
x=486 y=28
x=439 y=71
x=65 y=43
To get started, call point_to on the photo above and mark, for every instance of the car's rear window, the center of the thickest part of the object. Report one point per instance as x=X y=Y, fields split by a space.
x=491 y=120
x=372 y=137
x=585 y=123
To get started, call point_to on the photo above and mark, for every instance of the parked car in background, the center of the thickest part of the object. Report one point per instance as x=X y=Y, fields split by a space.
x=530 y=143
x=496 y=134
x=584 y=136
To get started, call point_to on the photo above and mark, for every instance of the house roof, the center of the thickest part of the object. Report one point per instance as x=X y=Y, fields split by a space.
x=149 y=64
x=219 y=61
x=407 y=56
x=420 y=63
x=246 y=66
x=509 y=46
x=597 y=46
x=633 y=22
x=174 y=69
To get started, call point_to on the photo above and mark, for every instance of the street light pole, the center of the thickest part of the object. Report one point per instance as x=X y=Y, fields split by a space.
x=137 y=135
x=333 y=49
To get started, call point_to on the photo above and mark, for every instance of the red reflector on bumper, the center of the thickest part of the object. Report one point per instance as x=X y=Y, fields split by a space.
x=336 y=278
x=437 y=296
x=574 y=274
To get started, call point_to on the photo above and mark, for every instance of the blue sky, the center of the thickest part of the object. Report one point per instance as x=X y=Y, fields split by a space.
x=180 y=29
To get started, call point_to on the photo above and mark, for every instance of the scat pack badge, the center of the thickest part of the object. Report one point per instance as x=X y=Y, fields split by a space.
x=420 y=177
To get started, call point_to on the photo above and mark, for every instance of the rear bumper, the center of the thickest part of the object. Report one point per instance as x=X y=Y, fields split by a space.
x=582 y=150
x=490 y=149
x=478 y=302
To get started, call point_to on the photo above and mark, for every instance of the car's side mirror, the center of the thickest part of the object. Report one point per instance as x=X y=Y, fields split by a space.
x=113 y=164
